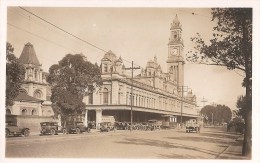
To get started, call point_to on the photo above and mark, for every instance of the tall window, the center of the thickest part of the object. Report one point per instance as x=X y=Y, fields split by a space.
x=24 y=112
x=37 y=94
x=105 y=96
x=35 y=75
x=90 y=98
x=33 y=112
x=175 y=35
x=105 y=68
x=119 y=94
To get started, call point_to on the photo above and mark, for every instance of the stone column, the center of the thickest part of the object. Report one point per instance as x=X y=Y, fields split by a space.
x=40 y=109
x=86 y=118
x=33 y=75
x=30 y=89
x=98 y=117
x=40 y=73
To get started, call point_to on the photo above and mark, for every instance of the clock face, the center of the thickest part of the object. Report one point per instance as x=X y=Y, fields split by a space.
x=174 y=51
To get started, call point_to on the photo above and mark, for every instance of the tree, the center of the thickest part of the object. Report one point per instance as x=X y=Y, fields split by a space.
x=242 y=106
x=15 y=74
x=71 y=80
x=218 y=114
x=231 y=46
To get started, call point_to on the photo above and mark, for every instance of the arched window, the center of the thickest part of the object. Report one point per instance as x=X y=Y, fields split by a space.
x=37 y=94
x=34 y=112
x=105 y=68
x=119 y=95
x=24 y=112
x=105 y=96
x=8 y=112
x=90 y=98
x=36 y=75
x=175 y=36
x=48 y=113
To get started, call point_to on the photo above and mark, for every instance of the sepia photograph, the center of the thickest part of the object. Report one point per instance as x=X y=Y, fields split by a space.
x=129 y=82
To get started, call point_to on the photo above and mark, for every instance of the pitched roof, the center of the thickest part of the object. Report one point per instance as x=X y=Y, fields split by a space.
x=28 y=55
x=22 y=96
x=110 y=56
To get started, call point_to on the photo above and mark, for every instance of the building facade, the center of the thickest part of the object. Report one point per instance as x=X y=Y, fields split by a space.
x=34 y=95
x=155 y=95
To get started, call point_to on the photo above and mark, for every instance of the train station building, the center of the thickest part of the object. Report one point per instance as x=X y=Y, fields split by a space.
x=155 y=94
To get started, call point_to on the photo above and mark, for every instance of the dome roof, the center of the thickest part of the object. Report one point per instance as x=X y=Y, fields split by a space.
x=153 y=64
x=28 y=55
x=120 y=60
x=110 y=56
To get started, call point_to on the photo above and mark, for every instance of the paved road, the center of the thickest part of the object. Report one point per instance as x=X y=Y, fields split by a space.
x=163 y=144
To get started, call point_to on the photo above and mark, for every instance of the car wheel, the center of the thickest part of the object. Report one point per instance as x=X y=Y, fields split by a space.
x=108 y=129
x=64 y=131
x=52 y=132
x=7 y=132
x=26 y=132
x=77 y=130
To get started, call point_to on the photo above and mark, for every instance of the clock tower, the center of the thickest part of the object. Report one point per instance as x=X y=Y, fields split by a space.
x=175 y=61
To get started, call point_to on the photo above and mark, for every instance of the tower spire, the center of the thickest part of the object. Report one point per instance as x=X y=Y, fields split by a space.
x=176 y=23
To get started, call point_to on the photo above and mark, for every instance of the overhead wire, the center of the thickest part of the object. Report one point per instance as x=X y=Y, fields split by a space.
x=40 y=24
x=87 y=42
x=14 y=26
x=69 y=33
x=41 y=37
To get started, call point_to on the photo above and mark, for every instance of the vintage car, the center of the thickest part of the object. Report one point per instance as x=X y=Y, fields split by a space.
x=13 y=129
x=76 y=127
x=119 y=125
x=154 y=124
x=51 y=128
x=192 y=126
x=106 y=126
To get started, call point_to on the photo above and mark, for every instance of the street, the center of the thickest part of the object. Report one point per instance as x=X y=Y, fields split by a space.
x=161 y=144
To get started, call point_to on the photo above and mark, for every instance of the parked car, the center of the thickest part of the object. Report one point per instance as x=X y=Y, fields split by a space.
x=119 y=125
x=76 y=127
x=106 y=126
x=13 y=129
x=153 y=124
x=192 y=126
x=51 y=128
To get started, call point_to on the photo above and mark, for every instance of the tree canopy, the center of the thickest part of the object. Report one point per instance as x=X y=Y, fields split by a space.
x=242 y=106
x=232 y=40
x=219 y=113
x=71 y=79
x=15 y=74
x=230 y=46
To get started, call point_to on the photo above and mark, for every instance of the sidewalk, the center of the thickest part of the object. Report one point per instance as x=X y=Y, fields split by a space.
x=234 y=151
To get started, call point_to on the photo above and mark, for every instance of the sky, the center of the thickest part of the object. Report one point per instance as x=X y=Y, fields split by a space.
x=135 y=34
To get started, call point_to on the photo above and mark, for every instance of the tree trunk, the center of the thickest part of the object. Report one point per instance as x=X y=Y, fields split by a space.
x=247 y=143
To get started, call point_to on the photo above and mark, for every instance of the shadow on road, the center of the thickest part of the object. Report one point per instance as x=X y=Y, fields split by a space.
x=165 y=144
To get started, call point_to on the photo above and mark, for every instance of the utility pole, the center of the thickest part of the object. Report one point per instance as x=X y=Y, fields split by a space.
x=181 y=103
x=132 y=76
x=212 y=119
x=111 y=93
x=182 y=91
